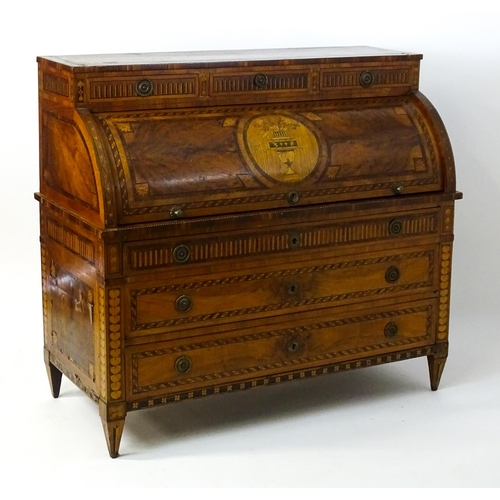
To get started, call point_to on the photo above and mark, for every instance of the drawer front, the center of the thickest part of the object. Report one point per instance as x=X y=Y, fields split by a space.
x=187 y=254
x=261 y=81
x=271 y=291
x=393 y=78
x=165 y=86
x=301 y=342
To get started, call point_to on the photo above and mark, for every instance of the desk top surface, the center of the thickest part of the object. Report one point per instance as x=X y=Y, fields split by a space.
x=225 y=58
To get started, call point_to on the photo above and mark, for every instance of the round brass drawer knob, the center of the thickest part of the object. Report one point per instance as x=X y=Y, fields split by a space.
x=181 y=253
x=260 y=80
x=390 y=330
x=366 y=79
x=392 y=274
x=183 y=303
x=294 y=346
x=395 y=227
x=182 y=364
x=144 y=88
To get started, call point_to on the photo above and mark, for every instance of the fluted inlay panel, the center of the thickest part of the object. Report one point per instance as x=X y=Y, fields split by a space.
x=71 y=240
x=55 y=85
x=336 y=79
x=160 y=255
x=126 y=88
x=245 y=83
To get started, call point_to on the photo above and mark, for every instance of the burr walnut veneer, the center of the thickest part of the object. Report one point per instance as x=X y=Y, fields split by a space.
x=212 y=222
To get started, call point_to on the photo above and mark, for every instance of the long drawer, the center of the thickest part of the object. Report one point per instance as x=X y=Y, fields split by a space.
x=193 y=254
x=179 y=304
x=302 y=341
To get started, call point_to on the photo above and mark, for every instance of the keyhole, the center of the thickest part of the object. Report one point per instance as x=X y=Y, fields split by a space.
x=293 y=240
x=293 y=346
x=293 y=197
x=292 y=289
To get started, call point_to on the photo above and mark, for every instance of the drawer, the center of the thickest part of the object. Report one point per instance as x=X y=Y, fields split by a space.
x=261 y=80
x=221 y=298
x=393 y=78
x=152 y=87
x=161 y=87
x=300 y=342
x=186 y=255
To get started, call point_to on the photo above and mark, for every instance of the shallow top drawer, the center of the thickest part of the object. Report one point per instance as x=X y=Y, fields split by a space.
x=151 y=81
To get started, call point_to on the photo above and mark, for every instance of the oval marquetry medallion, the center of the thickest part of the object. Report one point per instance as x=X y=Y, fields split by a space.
x=280 y=148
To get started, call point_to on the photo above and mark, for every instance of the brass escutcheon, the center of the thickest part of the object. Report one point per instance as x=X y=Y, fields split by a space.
x=294 y=345
x=294 y=240
x=292 y=289
x=293 y=197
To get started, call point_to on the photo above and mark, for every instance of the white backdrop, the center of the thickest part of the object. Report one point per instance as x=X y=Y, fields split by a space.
x=377 y=427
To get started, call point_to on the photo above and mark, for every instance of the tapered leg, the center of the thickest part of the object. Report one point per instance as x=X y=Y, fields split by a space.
x=113 y=421
x=55 y=377
x=436 y=367
x=113 y=432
